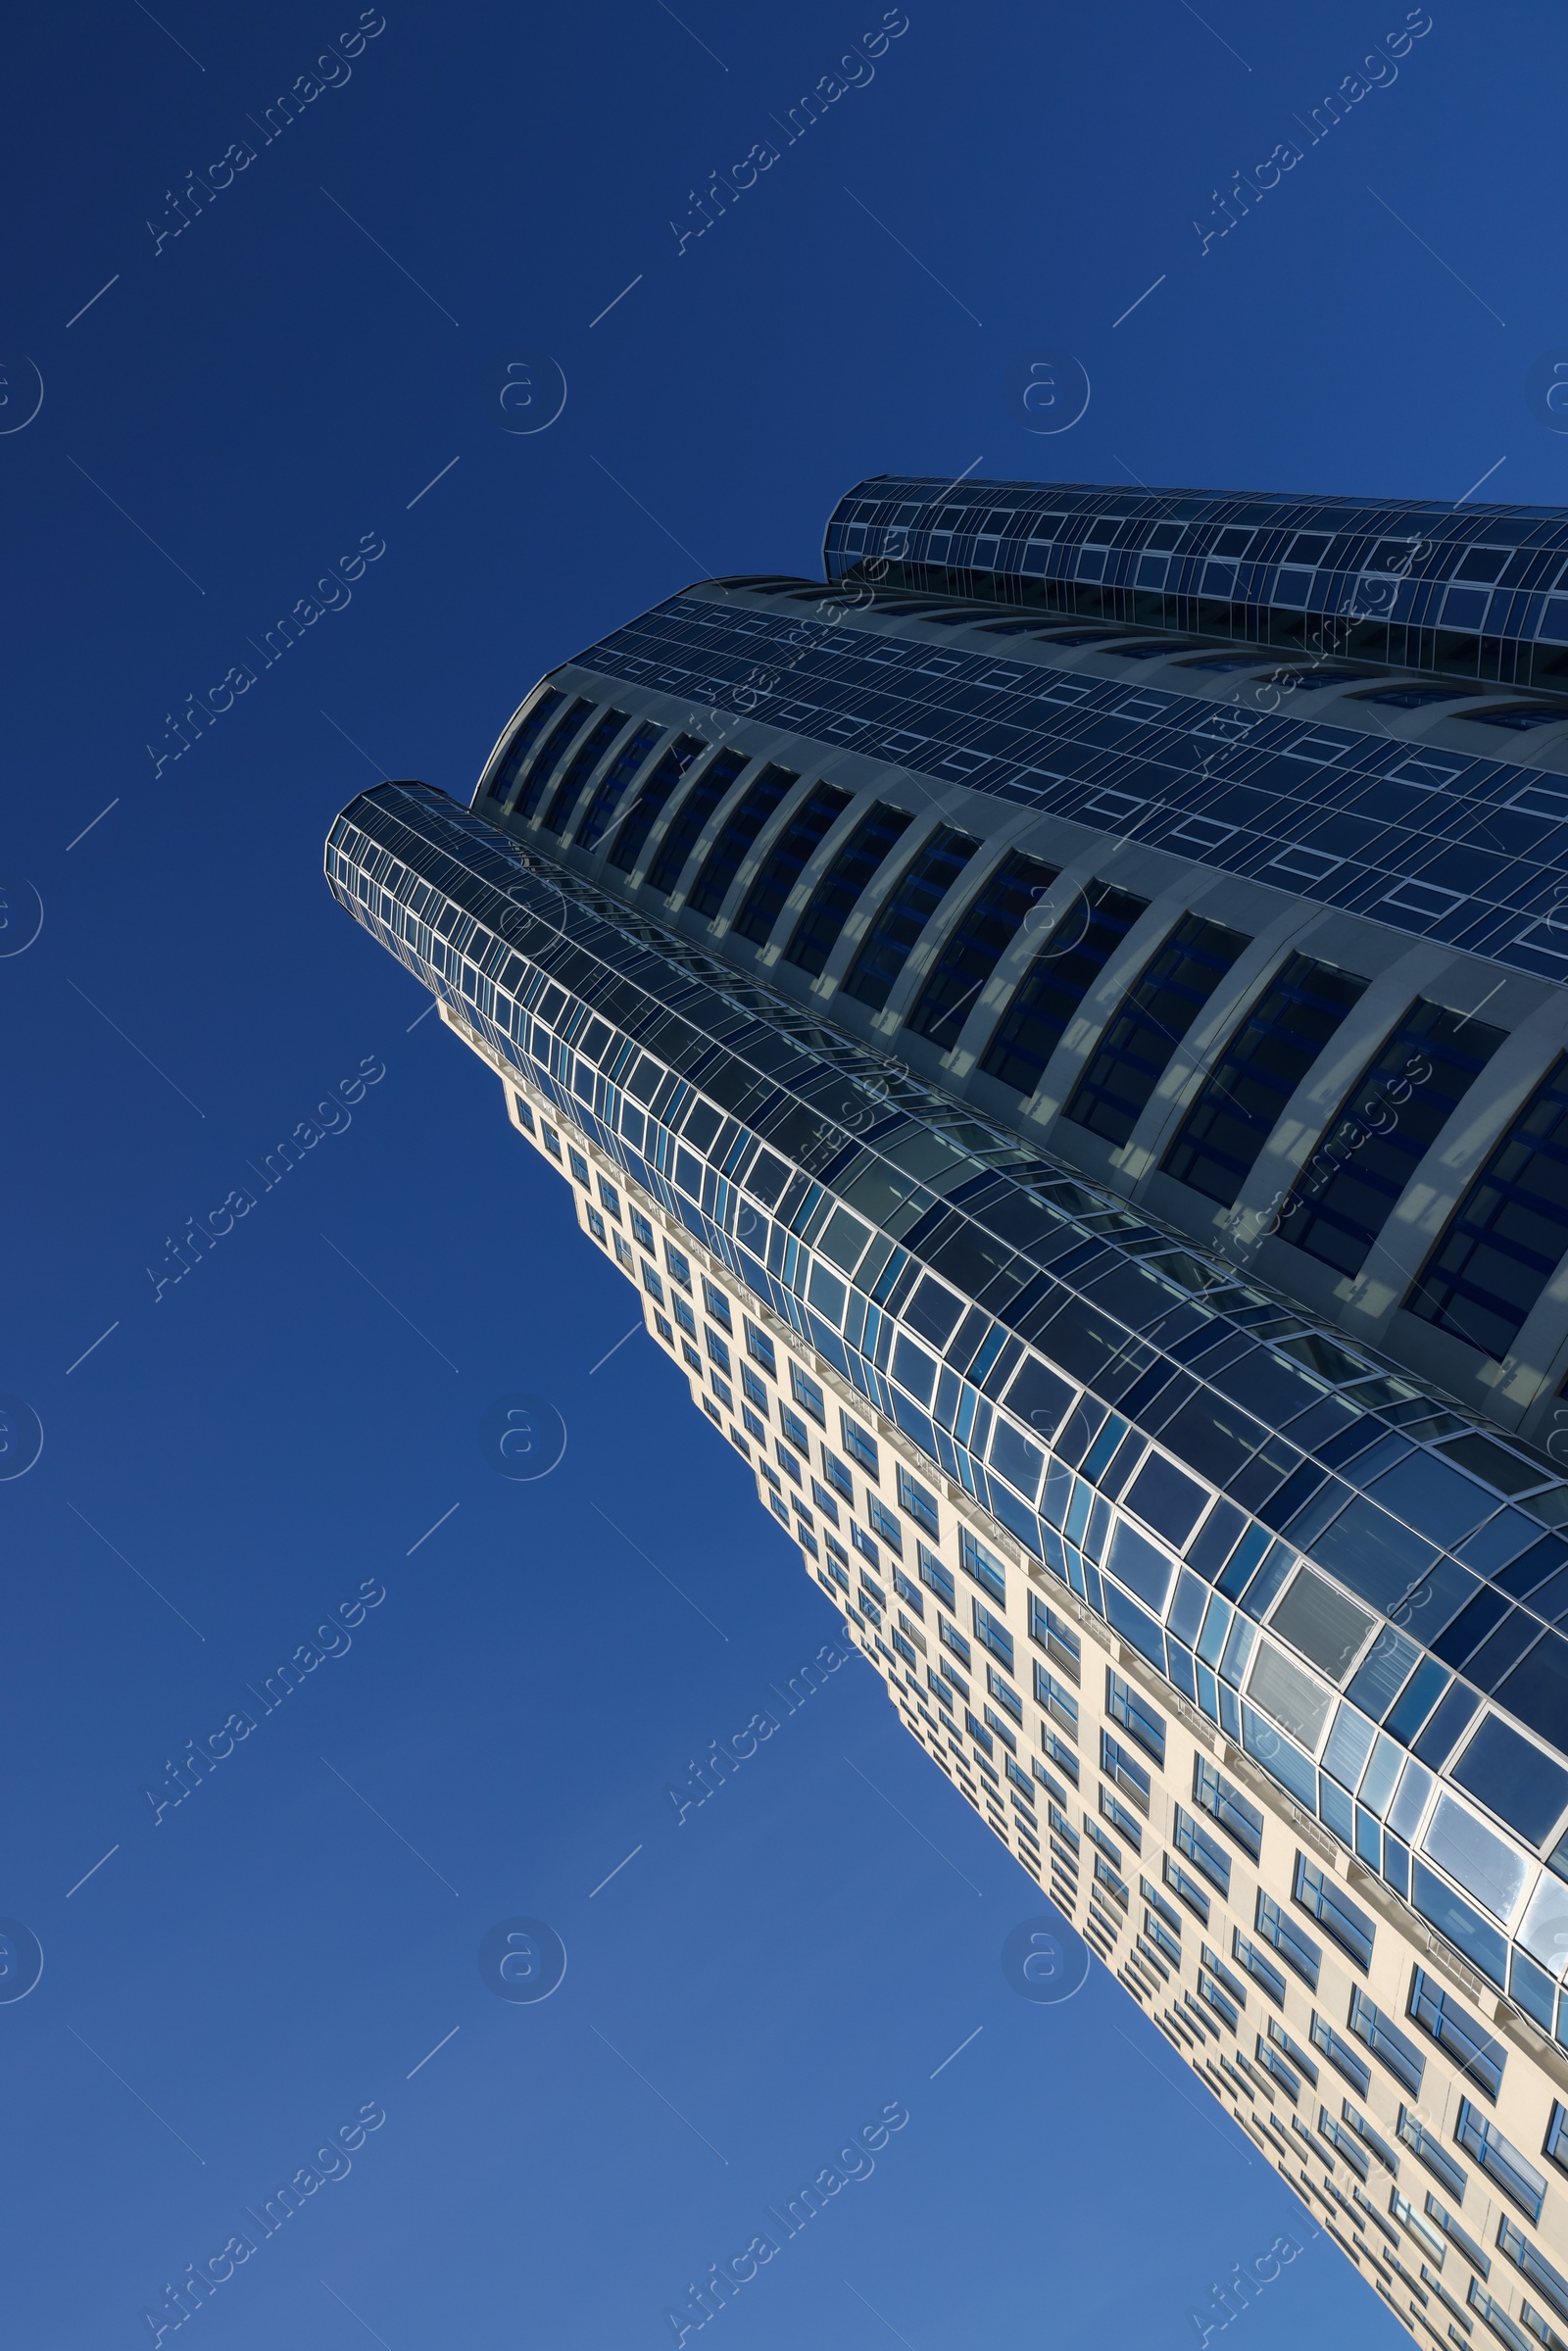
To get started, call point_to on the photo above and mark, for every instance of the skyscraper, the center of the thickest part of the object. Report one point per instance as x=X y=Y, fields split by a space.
x=1063 y=1024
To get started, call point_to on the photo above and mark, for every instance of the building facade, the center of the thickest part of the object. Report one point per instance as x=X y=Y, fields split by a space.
x=1063 y=1026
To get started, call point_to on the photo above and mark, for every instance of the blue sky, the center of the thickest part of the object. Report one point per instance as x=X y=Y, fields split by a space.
x=227 y=414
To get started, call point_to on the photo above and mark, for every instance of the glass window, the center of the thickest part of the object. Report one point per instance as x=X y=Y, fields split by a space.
x=1203 y=1850
x=1262 y=1971
x=754 y=1389
x=884 y=1523
x=1319 y=1894
x=1134 y=1714
x=678 y=1265
x=1298 y=1950
x=1371 y=2139
x=794 y=1427
x=1394 y=1113
x=552 y=1141
x=1209 y=1990
x=1504 y=1241
x=579 y=1165
x=1548 y=2282
x=1087 y=934
x=1224 y=1801
x=1148 y=1024
x=1061 y=1755
x=716 y=1302
x=786 y=1459
x=1118 y=1764
x=723 y=860
x=605 y=805
x=697 y=803
x=1049 y=1629
x=564 y=800
x=972 y=949
x=552 y=748
x=1340 y=2054
x=787 y=859
x=1479 y=2057
x=1500 y=2159
x=1056 y=1702
x=686 y=1318
x=609 y=1200
x=759 y=1347
x=718 y=1352
x=806 y=1392
x=1456 y=2235
x=635 y=826
x=1293 y=2050
x=907 y=908
x=1428 y=2148
x=1186 y=1888
x=996 y=1723
x=1121 y=1819
x=1386 y=2041
x=982 y=1565
x=837 y=1473
x=937 y=1578
x=1106 y=1877
x=643 y=1230
x=952 y=1639
x=837 y=894
x=992 y=1634
x=1003 y=1694
x=529 y=729
x=1497 y=2317
x=860 y=1444
x=1247 y=1087
x=920 y=1504
x=651 y=1282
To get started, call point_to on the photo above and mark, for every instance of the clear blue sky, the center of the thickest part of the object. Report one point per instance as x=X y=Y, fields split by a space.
x=248 y=402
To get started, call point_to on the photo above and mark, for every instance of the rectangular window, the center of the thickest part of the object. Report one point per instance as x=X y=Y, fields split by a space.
x=1224 y=1802
x=1262 y=1971
x=908 y=906
x=1298 y=1950
x=884 y=1523
x=1203 y=1852
x=1148 y=1024
x=1293 y=2050
x=992 y=1634
x=1061 y=1755
x=1162 y=1938
x=759 y=1347
x=792 y=851
x=1319 y=1895
x=1210 y=1959
x=679 y=1268
x=718 y=1352
x=539 y=716
x=1117 y=1764
x=821 y=926
x=643 y=1230
x=1106 y=1877
x=651 y=1282
x=807 y=1394
x=1343 y=2140
x=824 y=1502
x=552 y=748
x=978 y=1732
x=1340 y=2054
x=794 y=1427
x=1274 y=2064
x=995 y=1723
x=1497 y=2318
x=920 y=1504
x=1500 y=2159
x=1253 y=1080
x=1136 y=1716
x=1479 y=2057
x=1209 y=1990
x=723 y=860
x=936 y=1578
x=1428 y=2148
x=1057 y=1701
x=596 y=1224
x=609 y=1200
x=1372 y=2140
x=906 y=1625
x=865 y=1545
x=1156 y=1901
x=624 y=1253
x=860 y=1445
x=684 y=1316
x=1003 y=1694
x=1091 y=931
x=1456 y=2235
x=1500 y=1246
x=1019 y=1778
x=552 y=1141
x=786 y=1460
x=1386 y=2042
x=722 y=1391
x=717 y=1304
x=524 y=1114
x=1385 y=1127
x=1405 y=2214
x=988 y=926
x=1120 y=1818
x=682 y=829
x=1051 y=1630
x=908 y=1593
x=753 y=1387
x=579 y=1165
x=982 y=1565
x=753 y=1427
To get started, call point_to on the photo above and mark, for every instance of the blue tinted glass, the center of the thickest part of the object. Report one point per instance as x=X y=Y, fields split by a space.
x=723 y=860
x=787 y=861
x=1148 y=1025
x=907 y=908
x=1513 y=1778
x=692 y=810
x=1087 y=934
x=594 y=746
x=1504 y=1241
x=613 y=787
x=626 y=848
x=969 y=955
x=833 y=900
